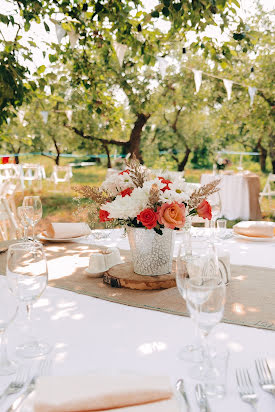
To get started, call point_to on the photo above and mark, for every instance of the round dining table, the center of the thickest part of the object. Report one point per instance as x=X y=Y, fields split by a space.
x=89 y=334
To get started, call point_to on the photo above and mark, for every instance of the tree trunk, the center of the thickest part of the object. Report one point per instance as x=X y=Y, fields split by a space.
x=263 y=154
x=109 y=163
x=57 y=158
x=133 y=146
x=272 y=151
x=182 y=164
x=16 y=151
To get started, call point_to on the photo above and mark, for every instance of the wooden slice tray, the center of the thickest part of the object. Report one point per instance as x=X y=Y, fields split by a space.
x=123 y=276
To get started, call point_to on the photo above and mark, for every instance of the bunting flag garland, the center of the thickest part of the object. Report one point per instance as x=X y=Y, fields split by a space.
x=8 y=120
x=73 y=36
x=252 y=91
x=45 y=116
x=21 y=115
x=162 y=66
x=60 y=32
x=198 y=79
x=120 y=50
x=228 y=87
x=69 y=114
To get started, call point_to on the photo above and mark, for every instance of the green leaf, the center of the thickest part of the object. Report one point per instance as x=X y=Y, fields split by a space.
x=98 y=7
x=177 y=6
x=166 y=3
x=33 y=85
x=46 y=27
x=238 y=36
x=165 y=11
x=27 y=26
x=236 y=3
x=98 y=110
x=41 y=69
x=155 y=13
x=52 y=58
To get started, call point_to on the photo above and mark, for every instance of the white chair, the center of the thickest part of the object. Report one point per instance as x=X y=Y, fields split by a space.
x=31 y=173
x=268 y=189
x=8 y=224
x=61 y=174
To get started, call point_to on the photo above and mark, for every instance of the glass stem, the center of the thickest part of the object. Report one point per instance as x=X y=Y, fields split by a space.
x=33 y=225
x=3 y=348
x=29 y=316
x=25 y=233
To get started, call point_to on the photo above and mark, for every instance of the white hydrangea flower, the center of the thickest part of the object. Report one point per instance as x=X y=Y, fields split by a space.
x=116 y=183
x=128 y=206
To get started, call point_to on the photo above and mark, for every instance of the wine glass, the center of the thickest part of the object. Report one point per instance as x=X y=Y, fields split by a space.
x=197 y=259
x=205 y=301
x=8 y=310
x=32 y=210
x=216 y=207
x=21 y=213
x=27 y=276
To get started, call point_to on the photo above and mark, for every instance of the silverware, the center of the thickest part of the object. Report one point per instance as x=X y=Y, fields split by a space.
x=245 y=388
x=181 y=390
x=201 y=398
x=43 y=369
x=266 y=380
x=17 y=384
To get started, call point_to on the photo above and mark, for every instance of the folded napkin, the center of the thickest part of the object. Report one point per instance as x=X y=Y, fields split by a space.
x=99 y=393
x=66 y=230
x=255 y=229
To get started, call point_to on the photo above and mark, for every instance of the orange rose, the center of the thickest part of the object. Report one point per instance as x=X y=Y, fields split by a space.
x=172 y=215
x=204 y=210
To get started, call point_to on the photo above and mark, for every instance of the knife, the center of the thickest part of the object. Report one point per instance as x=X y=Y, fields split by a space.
x=201 y=398
x=18 y=401
x=181 y=390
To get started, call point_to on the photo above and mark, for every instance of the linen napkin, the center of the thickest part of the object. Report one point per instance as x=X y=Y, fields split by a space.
x=126 y=393
x=255 y=229
x=66 y=230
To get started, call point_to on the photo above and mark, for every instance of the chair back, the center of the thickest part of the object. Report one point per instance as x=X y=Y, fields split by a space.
x=62 y=174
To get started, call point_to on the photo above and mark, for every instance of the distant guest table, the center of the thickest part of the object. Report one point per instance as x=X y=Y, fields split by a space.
x=239 y=195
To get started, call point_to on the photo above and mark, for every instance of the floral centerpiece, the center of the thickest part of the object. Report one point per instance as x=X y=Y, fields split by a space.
x=151 y=208
x=222 y=163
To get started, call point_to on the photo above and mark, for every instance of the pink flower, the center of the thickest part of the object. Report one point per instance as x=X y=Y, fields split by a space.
x=204 y=210
x=172 y=215
x=148 y=218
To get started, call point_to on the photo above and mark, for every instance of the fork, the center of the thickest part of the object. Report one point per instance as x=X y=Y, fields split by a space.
x=16 y=385
x=245 y=388
x=266 y=380
x=43 y=368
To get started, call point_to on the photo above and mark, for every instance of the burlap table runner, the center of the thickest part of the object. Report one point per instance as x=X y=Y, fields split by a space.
x=254 y=187
x=250 y=295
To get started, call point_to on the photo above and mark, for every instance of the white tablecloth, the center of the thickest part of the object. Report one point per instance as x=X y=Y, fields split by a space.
x=90 y=334
x=234 y=195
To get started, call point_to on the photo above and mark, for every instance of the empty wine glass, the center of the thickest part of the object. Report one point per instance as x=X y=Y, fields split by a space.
x=197 y=259
x=8 y=310
x=32 y=210
x=205 y=301
x=27 y=276
x=23 y=220
x=216 y=207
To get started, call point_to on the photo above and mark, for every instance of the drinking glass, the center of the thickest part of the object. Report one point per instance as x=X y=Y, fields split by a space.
x=32 y=210
x=27 y=277
x=216 y=206
x=21 y=213
x=205 y=301
x=221 y=228
x=8 y=310
x=197 y=259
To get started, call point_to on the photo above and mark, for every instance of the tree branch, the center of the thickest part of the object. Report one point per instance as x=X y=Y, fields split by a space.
x=267 y=99
x=106 y=141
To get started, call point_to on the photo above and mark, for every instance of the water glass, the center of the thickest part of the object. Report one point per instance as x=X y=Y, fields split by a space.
x=221 y=228
x=21 y=213
x=33 y=210
x=27 y=277
x=8 y=310
x=217 y=380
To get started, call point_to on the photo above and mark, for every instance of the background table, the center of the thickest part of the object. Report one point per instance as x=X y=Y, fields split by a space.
x=89 y=334
x=234 y=195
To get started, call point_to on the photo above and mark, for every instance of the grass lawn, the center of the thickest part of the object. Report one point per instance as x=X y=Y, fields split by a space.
x=58 y=205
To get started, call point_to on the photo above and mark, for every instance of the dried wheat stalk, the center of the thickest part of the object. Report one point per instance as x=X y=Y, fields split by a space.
x=95 y=193
x=137 y=172
x=203 y=192
x=153 y=196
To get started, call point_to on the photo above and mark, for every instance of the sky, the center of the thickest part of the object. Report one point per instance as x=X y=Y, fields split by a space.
x=38 y=34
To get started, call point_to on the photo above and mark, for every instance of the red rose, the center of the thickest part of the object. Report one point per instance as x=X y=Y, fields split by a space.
x=204 y=210
x=148 y=218
x=125 y=171
x=103 y=215
x=126 y=192
x=166 y=182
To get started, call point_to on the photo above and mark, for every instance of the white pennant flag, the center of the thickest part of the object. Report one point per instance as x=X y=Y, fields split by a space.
x=228 y=87
x=252 y=91
x=8 y=120
x=60 y=32
x=120 y=50
x=69 y=114
x=73 y=36
x=21 y=115
x=45 y=116
x=198 y=79
x=162 y=66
